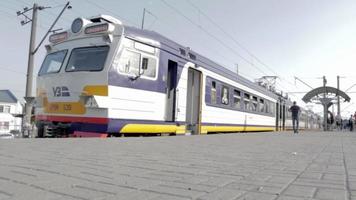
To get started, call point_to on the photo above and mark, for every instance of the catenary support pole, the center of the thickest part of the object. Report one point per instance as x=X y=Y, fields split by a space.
x=29 y=80
x=338 y=96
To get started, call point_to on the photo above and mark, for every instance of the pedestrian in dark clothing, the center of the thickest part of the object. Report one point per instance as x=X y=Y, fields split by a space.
x=295 y=116
x=351 y=123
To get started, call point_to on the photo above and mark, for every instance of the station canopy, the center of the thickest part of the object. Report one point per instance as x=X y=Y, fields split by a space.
x=325 y=90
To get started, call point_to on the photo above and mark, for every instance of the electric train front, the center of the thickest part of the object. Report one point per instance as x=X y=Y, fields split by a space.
x=72 y=84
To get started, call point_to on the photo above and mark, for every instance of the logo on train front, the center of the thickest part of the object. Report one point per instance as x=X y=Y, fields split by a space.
x=60 y=91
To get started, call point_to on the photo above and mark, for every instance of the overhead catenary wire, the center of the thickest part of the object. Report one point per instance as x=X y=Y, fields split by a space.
x=213 y=36
x=235 y=41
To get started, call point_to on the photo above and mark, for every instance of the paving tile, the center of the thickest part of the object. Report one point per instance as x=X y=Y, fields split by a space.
x=257 y=196
x=177 y=192
x=300 y=191
x=221 y=166
x=222 y=194
x=330 y=194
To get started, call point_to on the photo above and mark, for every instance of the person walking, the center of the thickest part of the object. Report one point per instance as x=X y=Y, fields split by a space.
x=295 y=116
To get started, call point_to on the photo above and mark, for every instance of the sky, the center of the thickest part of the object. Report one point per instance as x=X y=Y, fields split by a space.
x=307 y=39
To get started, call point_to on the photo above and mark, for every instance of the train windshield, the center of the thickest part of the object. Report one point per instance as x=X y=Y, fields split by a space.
x=87 y=59
x=53 y=62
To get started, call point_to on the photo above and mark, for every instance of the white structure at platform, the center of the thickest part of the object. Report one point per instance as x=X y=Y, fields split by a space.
x=9 y=106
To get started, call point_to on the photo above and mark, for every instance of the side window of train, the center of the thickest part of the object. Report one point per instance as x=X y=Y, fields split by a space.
x=225 y=95
x=246 y=101
x=133 y=63
x=262 y=105
x=267 y=106
x=237 y=99
x=272 y=108
x=254 y=103
x=149 y=66
x=129 y=62
x=213 y=92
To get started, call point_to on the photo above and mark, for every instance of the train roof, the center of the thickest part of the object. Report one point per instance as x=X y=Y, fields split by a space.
x=152 y=37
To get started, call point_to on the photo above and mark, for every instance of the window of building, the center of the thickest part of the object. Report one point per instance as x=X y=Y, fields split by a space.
x=262 y=105
x=246 y=101
x=237 y=99
x=4 y=125
x=4 y=109
x=213 y=92
x=225 y=95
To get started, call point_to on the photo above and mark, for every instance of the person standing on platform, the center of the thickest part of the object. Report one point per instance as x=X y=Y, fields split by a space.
x=295 y=116
x=351 y=123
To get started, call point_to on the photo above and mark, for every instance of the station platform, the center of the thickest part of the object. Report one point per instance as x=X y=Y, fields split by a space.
x=278 y=166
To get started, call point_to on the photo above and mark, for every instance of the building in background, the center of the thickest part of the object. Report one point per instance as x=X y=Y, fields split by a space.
x=9 y=108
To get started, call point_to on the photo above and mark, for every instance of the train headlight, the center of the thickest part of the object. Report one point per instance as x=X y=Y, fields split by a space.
x=77 y=25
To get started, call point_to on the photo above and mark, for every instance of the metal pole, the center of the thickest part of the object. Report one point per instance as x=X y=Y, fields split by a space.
x=143 y=18
x=28 y=106
x=338 y=96
x=325 y=107
x=50 y=29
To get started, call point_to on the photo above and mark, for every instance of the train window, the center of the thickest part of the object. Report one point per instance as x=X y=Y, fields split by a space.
x=254 y=103
x=237 y=99
x=151 y=66
x=272 y=108
x=225 y=95
x=129 y=62
x=262 y=105
x=267 y=106
x=87 y=59
x=213 y=92
x=53 y=62
x=246 y=101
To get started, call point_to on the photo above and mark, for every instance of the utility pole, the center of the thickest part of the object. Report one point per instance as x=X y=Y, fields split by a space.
x=143 y=18
x=29 y=99
x=338 y=96
x=26 y=124
x=237 y=69
x=325 y=106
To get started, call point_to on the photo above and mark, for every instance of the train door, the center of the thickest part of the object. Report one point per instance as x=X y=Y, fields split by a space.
x=193 y=108
x=171 y=91
x=277 y=116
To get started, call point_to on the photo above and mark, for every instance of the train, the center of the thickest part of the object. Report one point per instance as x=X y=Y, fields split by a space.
x=101 y=78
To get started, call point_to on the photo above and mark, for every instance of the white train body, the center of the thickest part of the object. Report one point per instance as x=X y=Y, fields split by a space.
x=104 y=78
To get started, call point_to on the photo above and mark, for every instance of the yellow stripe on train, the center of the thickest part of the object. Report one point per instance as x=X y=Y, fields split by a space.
x=158 y=128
